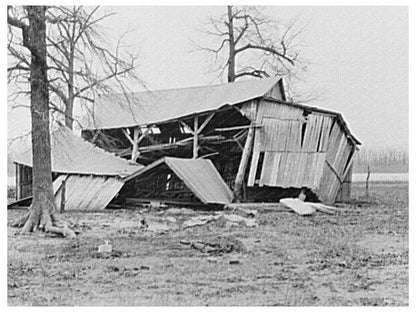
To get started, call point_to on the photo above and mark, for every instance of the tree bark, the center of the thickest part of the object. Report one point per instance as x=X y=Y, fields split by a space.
x=69 y=106
x=231 y=57
x=42 y=213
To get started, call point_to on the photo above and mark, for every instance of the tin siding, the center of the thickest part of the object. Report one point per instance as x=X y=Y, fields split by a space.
x=86 y=192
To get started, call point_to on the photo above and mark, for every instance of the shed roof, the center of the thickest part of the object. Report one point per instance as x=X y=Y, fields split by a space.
x=199 y=175
x=72 y=154
x=127 y=110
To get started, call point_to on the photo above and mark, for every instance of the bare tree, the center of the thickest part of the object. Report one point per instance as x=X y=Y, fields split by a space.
x=80 y=63
x=248 y=43
x=42 y=213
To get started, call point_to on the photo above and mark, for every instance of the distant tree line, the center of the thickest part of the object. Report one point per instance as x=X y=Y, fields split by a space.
x=382 y=160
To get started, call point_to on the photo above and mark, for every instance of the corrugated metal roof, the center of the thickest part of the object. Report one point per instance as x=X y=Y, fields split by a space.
x=115 y=111
x=199 y=175
x=72 y=154
x=86 y=192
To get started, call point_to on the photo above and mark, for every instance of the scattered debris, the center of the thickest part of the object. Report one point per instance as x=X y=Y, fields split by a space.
x=171 y=219
x=212 y=260
x=298 y=206
x=218 y=245
x=231 y=220
x=238 y=219
x=105 y=248
x=246 y=212
x=181 y=211
x=112 y=254
x=157 y=205
x=157 y=227
x=258 y=207
x=199 y=220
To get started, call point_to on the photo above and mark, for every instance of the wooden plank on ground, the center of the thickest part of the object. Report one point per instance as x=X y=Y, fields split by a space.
x=298 y=206
x=323 y=208
x=260 y=207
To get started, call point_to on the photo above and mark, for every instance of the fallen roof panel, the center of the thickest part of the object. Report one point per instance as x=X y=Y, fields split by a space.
x=72 y=154
x=199 y=175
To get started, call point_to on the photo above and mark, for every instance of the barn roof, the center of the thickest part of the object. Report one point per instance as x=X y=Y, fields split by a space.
x=142 y=108
x=127 y=110
x=72 y=154
x=199 y=175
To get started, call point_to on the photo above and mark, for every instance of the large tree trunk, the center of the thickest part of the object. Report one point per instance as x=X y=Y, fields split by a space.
x=231 y=56
x=42 y=213
x=69 y=111
x=69 y=106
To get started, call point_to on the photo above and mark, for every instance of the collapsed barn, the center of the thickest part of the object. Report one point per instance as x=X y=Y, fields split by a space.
x=263 y=147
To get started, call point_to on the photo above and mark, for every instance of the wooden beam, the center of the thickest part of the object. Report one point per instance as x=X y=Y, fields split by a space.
x=182 y=142
x=248 y=146
x=134 y=151
x=95 y=136
x=127 y=136
x=63 y=191
x=205 y=123
x=186 y=126
x=334 y=171
x=239 y=144
x=143 y=135
x=348 y=167
x=239 y=179
x=195 y=147
x=165 y=145
x=238 y=128
x=209 y=155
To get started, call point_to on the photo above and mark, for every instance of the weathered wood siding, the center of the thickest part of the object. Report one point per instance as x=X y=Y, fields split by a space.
x=340 y=154
x=23 y=181
x=277 y=92
x=344 y=194
x=294 y=150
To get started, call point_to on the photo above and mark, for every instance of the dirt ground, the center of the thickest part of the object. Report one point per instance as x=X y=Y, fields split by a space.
x=356 y=257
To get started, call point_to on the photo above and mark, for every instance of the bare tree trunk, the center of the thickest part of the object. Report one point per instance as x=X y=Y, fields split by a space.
x=231 y=57
x=69 y=106
x=42 y=213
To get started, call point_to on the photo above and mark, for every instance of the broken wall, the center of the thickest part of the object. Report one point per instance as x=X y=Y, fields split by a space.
x=296 y=147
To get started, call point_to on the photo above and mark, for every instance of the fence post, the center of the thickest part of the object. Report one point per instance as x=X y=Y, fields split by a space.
x=367 y=181
x=63 y=196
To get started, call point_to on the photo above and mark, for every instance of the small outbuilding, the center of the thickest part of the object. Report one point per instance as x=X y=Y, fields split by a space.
x=91 y=176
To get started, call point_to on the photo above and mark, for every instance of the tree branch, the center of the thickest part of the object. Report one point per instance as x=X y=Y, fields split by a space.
x=267 y=49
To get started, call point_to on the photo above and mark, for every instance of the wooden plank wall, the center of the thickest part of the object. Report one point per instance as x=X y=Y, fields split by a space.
x=340 y=150
x=23 y=181
x=292 y=150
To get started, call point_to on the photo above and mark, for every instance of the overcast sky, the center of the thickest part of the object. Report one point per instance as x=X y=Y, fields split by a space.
x=358 y=60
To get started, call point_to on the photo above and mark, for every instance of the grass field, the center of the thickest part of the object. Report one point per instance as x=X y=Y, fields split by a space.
x=357 y=257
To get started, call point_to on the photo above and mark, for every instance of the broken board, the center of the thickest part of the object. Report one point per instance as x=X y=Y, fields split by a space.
x=298 y=206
